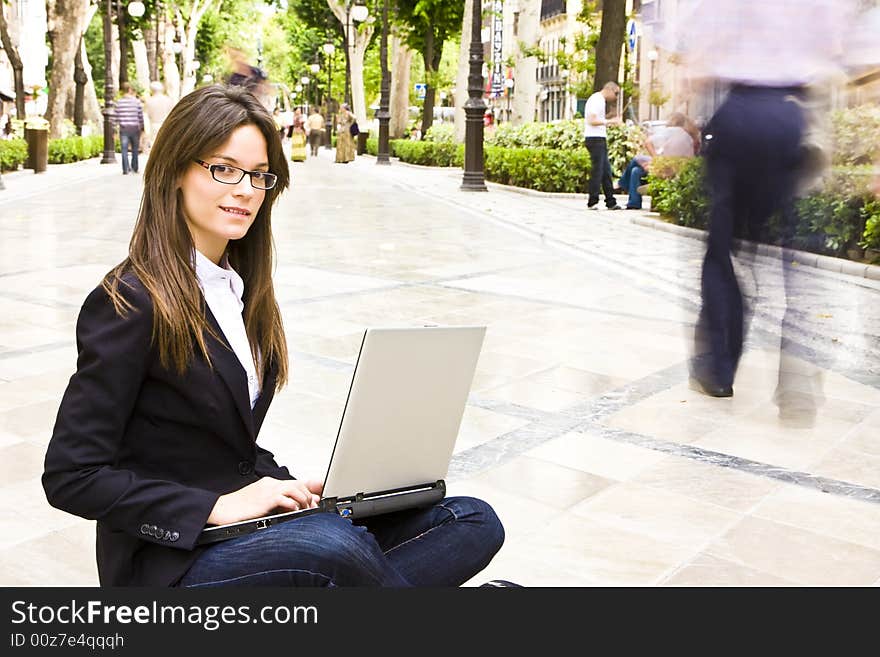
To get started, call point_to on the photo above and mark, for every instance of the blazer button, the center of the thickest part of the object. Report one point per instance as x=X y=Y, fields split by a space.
x=245 y=468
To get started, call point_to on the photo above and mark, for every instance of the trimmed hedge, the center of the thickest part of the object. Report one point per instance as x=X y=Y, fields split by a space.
x=841 y=217
x=13 y=153
x=73 y=149
x=542 y=169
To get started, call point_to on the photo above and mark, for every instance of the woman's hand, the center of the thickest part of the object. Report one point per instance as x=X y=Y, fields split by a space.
x=266 y=496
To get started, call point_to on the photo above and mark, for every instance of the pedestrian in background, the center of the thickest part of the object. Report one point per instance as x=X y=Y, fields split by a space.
x=596 y=141
x=671 y=140
x=156 y=107
x=298 y=137
x=767 y=53
x=344 y=139
x=130 y=119
x=315 y=129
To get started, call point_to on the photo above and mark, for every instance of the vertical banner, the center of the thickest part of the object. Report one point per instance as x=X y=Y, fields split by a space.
x=497 y=86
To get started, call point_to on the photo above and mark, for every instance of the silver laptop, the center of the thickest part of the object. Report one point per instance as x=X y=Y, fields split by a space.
x=398 y=427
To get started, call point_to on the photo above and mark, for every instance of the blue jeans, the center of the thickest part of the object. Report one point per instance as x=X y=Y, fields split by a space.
x=130 y=138
x=442 y=545
x=633 y=176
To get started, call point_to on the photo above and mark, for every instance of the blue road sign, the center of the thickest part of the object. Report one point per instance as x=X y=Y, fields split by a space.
x=631 y=32
x=421 y=89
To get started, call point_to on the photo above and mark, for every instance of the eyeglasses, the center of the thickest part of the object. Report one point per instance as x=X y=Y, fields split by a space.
x=230 y=175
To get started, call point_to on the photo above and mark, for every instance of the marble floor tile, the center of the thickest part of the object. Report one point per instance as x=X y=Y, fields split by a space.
x=707 y=570
x=663 y=515
x=850 y=465
x=32 y=421
x=762 y=436
x=707 y=482
x=528 y=393
x=848 y=519
x=56 y=558
x=19 y=462
x=544 y=482
x=800 y=556
x=479 y=426
x=586 y=552
x=596 y=455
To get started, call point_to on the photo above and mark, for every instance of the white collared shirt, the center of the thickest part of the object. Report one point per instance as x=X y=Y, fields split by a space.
x=223 y=289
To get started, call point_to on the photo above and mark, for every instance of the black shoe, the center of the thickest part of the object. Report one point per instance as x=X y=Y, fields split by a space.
x=593 y=205
x=629 y=207
x=501 y=584
x=614 y=207
x=709 y=388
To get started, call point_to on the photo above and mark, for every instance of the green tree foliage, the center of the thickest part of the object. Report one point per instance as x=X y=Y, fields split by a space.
x=426 y=25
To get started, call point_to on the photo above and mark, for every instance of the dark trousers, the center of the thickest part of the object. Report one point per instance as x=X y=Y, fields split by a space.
x=600 y=171
x=752 y=161
x=129 y=138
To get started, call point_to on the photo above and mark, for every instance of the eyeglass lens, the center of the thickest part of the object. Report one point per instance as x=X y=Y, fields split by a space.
x=232 y=176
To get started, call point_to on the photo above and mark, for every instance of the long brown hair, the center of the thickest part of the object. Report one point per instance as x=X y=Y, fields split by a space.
x=161 y=250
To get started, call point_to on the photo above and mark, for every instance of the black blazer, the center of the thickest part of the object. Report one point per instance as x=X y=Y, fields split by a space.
x=147 y=452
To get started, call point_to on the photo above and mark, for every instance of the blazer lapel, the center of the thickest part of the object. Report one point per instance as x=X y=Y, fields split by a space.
x=226 y=363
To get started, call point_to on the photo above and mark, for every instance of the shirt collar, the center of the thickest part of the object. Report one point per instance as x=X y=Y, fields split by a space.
x=222 y=275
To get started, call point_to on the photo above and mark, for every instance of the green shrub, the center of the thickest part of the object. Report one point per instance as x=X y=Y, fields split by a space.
x=841 y=215
x=13 y=153
x=373 y=145
x=677 y=189
x=429 y=153
x=625 y=141
x=871 y=234
x=561 y=135
x=441 y=132
x=73 y=149
x=855 y=135
x=542 y=169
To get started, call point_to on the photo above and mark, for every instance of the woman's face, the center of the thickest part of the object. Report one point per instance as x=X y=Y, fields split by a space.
x=217 y=212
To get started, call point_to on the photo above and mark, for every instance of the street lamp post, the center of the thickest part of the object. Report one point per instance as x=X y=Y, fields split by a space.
x=109 y=111
x=508 y=83
x=384 y=115
x=329 y=49
x=305 y=81
x=474 y=109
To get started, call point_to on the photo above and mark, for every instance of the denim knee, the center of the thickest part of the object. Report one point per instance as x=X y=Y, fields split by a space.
x=482 y=516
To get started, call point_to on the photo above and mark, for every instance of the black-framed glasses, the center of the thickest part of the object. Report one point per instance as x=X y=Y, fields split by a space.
x=230 y=175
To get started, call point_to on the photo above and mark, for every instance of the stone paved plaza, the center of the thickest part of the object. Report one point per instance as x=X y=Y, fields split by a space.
x=580 y=429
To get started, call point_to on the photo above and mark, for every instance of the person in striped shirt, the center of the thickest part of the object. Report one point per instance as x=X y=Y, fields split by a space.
x=130 y=119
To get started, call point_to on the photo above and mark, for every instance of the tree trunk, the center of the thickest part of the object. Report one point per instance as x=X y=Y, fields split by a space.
x=400 y=77
x=196 y=11
x=141 y=64
x=461 y=79
x=92 y=108
x=123 y=44
x=610 y=42
x=356 y=50
x=66 y=24
x=150 y=42
x=432 y=55
x=10 y=40
x=169 y=64
x=525 y=90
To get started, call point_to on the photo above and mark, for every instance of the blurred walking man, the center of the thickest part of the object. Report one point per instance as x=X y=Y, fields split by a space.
x=767 y=53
